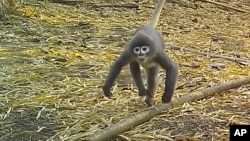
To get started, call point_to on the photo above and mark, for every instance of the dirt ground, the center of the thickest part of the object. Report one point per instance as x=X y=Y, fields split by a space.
x=54 y=59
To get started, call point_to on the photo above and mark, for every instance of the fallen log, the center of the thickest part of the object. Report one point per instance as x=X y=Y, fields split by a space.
x=139 y=118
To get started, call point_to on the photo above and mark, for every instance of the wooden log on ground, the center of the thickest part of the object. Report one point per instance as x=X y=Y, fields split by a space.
x=139 y=118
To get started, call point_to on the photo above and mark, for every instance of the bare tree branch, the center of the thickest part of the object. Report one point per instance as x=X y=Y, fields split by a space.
x=226 y=6
x=238 y=60
x=139 y=118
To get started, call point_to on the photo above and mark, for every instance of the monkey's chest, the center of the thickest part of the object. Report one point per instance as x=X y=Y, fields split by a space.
x=147 y=63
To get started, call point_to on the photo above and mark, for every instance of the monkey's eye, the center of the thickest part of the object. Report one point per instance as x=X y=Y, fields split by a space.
x=137 y=50
x=144 y=49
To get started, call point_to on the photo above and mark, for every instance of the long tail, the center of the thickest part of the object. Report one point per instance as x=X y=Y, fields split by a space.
x=157 y=13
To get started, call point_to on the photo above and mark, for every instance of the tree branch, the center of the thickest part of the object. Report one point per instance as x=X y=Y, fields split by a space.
x=226 y=6
x=237 y=60
x=116 y=5
x=139 y=118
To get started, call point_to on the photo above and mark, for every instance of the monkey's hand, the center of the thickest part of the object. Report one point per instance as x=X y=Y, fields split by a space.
x=166 y=97
x=106 y=91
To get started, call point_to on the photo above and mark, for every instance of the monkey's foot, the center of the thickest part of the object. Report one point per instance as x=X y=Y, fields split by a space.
x=148 y=102
x=166 y=99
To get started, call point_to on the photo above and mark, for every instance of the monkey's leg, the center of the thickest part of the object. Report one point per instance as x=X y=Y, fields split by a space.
x=136 y=74
x=170 y=82
x=152 y=78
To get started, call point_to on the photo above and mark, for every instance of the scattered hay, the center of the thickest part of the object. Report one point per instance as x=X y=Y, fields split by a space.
x=55 y=57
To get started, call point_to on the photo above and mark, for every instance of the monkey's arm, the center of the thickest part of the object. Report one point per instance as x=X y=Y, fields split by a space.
x=136 y=74
x=171 y=69
x=114 y=72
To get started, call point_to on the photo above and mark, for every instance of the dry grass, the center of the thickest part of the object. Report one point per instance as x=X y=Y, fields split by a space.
x=54 y=59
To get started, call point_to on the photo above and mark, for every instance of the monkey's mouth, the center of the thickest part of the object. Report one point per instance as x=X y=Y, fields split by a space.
x=141 y=60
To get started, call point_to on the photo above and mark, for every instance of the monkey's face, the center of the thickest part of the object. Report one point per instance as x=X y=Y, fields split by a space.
x=141 y=53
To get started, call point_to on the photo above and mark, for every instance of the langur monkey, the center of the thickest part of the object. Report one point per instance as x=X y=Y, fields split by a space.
x=146 y=48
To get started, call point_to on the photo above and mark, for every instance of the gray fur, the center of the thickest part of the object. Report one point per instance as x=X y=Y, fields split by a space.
x=152 y=60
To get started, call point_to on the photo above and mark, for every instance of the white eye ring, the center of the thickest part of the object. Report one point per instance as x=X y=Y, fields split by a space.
x=144 y=49
x=137 y=50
